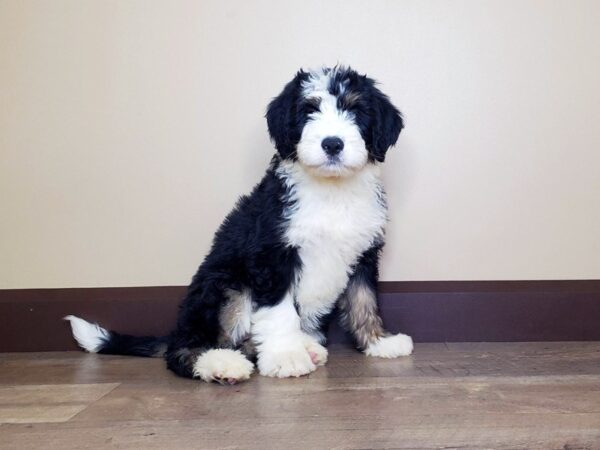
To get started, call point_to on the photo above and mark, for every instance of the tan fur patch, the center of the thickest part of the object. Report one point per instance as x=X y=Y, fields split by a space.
x=359 y=314
x=235 y=318
x=350 y=98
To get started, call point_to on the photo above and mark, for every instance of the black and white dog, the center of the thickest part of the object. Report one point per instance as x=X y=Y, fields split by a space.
x=303 y=245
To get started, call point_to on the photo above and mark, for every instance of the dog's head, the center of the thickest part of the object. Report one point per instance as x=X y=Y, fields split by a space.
x=333 y=121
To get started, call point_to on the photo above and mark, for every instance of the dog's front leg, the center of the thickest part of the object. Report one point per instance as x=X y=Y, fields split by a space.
x=360 y=312
x=284 y=350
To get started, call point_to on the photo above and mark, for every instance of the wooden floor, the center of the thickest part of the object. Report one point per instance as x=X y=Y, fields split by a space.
x=525 y=395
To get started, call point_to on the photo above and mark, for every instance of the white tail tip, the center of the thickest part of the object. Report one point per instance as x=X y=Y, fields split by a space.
x=89 y=336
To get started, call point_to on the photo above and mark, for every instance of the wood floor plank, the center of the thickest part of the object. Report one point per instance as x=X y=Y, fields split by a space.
x=48 y=403
x=498 y=431
x=268 y=399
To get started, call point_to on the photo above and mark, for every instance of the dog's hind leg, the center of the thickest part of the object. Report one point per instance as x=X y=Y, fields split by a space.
x=197 y=349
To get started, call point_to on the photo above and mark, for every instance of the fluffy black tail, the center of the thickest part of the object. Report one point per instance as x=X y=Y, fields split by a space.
x=95 y=339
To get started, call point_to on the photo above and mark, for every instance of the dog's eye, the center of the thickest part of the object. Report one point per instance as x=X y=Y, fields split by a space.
x=312 y=105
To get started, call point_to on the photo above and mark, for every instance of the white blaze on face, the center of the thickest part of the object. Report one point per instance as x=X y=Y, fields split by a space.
x=329 y=121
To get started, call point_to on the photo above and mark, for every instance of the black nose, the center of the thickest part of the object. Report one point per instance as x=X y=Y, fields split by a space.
x=332 y=145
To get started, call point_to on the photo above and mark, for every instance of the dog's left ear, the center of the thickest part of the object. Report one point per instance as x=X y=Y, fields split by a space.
x=385 y=126
x=282 y=117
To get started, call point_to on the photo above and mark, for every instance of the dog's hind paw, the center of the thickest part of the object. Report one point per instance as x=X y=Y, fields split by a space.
x=224 y=366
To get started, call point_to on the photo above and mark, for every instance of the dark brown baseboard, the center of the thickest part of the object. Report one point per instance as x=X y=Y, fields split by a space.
x=430 y=311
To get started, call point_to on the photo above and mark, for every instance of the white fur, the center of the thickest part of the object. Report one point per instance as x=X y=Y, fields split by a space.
x=332 y=222
x=391 y=346
x=89 y=336
x=280 y=342
x=223 y=365
x=329 y=121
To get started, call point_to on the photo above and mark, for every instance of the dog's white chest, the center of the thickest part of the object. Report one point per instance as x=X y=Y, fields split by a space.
x=331 y=224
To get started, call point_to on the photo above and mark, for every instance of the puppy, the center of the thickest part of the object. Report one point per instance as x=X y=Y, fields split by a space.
x=304 y=243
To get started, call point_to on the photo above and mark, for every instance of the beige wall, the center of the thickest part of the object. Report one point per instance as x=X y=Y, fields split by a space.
x=128 y=129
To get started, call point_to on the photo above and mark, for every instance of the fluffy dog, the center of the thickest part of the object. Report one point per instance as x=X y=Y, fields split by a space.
x=303 y=245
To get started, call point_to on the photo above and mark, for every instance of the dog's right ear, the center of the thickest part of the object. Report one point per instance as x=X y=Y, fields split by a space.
x=283 y=119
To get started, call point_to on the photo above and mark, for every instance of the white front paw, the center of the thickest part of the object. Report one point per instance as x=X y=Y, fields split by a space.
x=390 y=346
x=291 y=362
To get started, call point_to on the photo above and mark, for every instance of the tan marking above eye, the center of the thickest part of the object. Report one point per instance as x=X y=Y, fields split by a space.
x=315 y=102
x=350 y=98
